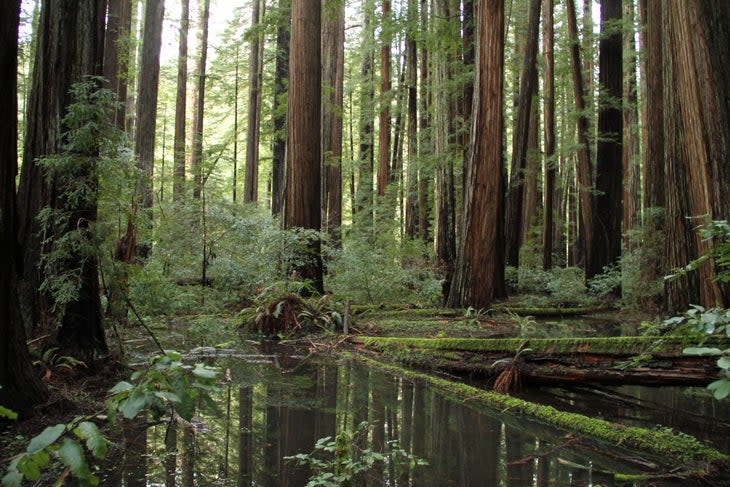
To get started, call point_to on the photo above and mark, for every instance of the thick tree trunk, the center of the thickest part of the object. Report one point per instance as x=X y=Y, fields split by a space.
x=549 y=115
x=178 y=184
x=149 y=78
x=607 y=209
x=69 y=49
x=583 y=168
x=528 y=81
x=251 y=183
x=196 y=162
x=479 y=276
x=425 y=145
x=21 y=388
x=333 y=70
x=303 y=184
x=631 y=148
x=281 y=75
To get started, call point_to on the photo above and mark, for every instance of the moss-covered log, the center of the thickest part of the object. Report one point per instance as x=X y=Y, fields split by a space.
x=616 y=360
x=663 y=446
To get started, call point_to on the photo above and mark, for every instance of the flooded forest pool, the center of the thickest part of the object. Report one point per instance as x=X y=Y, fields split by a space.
x=278 y=405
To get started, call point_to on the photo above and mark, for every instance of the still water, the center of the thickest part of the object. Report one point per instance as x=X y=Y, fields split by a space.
x=277 y=406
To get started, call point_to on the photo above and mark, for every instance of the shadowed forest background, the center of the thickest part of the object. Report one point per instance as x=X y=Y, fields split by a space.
x=195 y=165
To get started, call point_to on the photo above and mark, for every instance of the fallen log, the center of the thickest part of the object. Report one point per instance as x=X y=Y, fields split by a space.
x=592 y=361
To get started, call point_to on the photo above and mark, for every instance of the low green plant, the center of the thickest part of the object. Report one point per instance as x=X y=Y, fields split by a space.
x=336 y=462
x=51 y=361
x=166 y=386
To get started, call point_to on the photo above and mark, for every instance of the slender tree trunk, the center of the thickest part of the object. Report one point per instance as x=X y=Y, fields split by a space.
x=528 y=80
x=479 y=276
x=366 y=158
x=607 y=205
x=251 y=183
x=21 y=388
x=115 y=53
x=281 y=75
x=196 y=163
x=583 y=168
x=236 y=84
x=304 y=155
x=178 y=184
x=533 y=168
x=425 y=146
x=149 y=78
x=411 y=212
x=549 y=116
x=384 y=127
x=333 y=66
x=631 y=148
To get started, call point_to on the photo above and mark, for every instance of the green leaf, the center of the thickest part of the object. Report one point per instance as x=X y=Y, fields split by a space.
x=121 y=387
x=7 y=413
x=133 y=404
x=29 y=468
x=72 y=455
x=46 y=438
x=167 y=396
x=702 y=351
x=95 y=441
x=12 y=479
x=721 y=388
x=724 y=363
x=204 y=372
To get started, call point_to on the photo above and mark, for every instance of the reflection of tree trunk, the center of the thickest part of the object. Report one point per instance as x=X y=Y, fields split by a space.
x=297 y=436
x=518 y=474
x=135 y=436
x=377 y=423
x=407 y=426
x=170 y=454
x=543 y=469
x=272 y=450
x=188 y=456
x=226 y=448
x=245 y=438
x=360 y=396
x=419 y=430
x=326 y=416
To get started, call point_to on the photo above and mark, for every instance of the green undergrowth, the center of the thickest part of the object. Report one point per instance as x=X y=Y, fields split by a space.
x=604 y=345
x=548 y=310
x=662 y=444
x=429 y=328
x=371 y=311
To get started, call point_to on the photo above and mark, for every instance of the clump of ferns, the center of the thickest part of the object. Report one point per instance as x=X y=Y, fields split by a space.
x=510 y=378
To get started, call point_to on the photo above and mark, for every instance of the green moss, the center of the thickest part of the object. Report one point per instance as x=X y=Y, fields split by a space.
x=663 y=444
x=603 y=345
x=547 y=311
x=378 y=312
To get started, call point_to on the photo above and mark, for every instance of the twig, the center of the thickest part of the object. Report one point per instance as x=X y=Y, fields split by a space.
x=141 y=322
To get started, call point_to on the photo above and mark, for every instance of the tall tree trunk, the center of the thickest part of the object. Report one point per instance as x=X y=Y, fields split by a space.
x=528 y=80
x=178 y=184
x=366 y=156
x=21 y=388
x=533 y=168
x=251 y=183
x=384 y=127
x=607 y=205
x=631 y=148
x=116 y=48
x=443 y=147
x=333 y=70
x=583 y=168
x=411 y=212
x=281 y=75
x=425 y=146
x=699 y=36
x=149 y=78
x=303 y=184
x=69 y=49
x=196 y=162
x=479 y=276
x=549 y=115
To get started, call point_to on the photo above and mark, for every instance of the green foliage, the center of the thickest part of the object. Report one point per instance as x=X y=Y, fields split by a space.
x=335 y=462
x=364 y=272
x=52 y=361
x=560 y=286
x=167 y=385
x=706 y=323
x=283 y=314
x=716 y=232
x=69 y=444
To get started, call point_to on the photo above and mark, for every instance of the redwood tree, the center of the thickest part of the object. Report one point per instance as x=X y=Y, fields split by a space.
x=302 y=198
x=178 y=184
x=20 y=388
x=281 y=75
x=479 y=276
x=607 y=209
x=251 y=182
